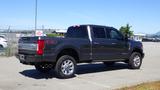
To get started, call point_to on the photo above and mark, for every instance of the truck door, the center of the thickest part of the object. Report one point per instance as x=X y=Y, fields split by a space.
x=118 y=46
x=108 y=44
x=100 y=44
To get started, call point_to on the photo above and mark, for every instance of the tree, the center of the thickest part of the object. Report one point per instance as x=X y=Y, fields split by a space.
x=126 y=30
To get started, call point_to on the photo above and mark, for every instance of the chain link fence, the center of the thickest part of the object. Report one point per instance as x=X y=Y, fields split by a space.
x=12 y=44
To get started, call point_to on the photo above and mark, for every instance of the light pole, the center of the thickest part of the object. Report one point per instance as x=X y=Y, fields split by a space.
x=36 y=2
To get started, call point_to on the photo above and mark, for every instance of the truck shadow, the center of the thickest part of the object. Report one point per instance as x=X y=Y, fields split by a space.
x=81 y=69
x=33 y=73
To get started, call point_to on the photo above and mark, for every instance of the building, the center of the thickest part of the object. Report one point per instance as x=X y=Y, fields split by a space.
x=138 y=37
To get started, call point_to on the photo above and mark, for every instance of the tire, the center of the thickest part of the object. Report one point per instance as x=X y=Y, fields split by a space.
x=110 y=63
x=65 y=67
x=43 y=67
x=1 y=47
x=135 y=60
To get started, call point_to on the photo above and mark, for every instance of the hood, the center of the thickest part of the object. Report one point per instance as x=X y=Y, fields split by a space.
x=137 y=44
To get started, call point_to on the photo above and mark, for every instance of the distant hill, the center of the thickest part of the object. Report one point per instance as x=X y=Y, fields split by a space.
x=158 y=33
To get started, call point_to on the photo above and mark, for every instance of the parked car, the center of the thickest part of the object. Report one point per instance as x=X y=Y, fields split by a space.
x=3 y=42
x=81 y=44
x=151 y=40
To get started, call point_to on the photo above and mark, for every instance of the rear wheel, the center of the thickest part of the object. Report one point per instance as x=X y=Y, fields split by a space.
x=65 y=67
x=44 y=67
x=135 y=60
x=110 y=63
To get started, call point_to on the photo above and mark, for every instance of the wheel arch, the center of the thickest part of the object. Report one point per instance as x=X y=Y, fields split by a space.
x=136 y=49
x=71 y=51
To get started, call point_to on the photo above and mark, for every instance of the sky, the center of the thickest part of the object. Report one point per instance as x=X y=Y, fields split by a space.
x=142 y=15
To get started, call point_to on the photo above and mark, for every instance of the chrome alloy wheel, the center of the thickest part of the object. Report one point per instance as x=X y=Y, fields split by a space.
x=67 y=67
x=137 y=61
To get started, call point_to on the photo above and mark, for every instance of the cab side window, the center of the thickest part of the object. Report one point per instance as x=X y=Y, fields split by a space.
x=115 y=35
x=99 y=32
x=77 y=32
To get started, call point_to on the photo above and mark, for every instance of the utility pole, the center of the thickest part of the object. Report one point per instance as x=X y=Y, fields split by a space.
x=36 y=2
x=43 y=27
x=9 y=28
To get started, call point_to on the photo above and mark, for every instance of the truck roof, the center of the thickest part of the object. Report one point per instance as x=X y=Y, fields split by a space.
x=92 y=25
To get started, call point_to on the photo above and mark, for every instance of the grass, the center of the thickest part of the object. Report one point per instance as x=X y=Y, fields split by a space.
x=11 y=50
x=144 y=86
x=53 y=35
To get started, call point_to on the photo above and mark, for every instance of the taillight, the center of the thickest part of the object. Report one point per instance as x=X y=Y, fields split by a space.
x=40 y=47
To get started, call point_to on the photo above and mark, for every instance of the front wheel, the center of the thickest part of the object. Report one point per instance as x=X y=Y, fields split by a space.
x=135 y=60
x=43 y=67
x=65 y=67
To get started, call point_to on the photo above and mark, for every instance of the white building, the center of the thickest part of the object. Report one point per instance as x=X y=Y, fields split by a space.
x=138 y=36
x=63 y=31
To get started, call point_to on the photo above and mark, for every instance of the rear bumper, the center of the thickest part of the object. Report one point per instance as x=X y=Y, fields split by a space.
x=33 y=59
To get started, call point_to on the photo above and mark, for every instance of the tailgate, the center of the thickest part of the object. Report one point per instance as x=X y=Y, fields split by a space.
x=27 y=45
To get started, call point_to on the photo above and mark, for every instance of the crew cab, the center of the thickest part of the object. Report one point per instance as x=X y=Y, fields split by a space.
x=81 y=44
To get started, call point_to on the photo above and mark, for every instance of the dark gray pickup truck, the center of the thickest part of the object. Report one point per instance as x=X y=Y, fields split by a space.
x=81 y=44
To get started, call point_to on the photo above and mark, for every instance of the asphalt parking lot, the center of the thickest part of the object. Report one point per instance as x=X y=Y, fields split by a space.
x=15 y=76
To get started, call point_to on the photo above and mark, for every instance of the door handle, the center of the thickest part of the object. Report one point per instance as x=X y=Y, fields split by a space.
x=96 y=43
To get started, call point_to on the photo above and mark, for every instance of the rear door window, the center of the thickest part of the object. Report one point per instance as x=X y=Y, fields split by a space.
x=99 y=32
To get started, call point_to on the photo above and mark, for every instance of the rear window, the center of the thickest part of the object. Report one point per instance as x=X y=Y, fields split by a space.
x=77 y=32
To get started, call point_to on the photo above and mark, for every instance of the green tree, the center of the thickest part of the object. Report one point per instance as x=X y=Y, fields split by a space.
x=126 y=30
